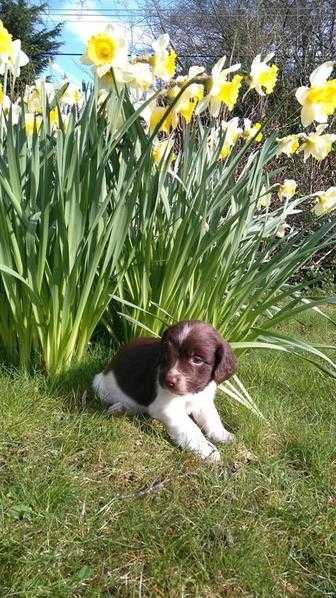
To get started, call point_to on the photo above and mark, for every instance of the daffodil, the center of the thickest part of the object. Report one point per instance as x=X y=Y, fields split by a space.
x=138 y=75
x=263 y=76
x=157 y=113
x=162 y=149
x=72 y=95
x=265 y=198
x=34 y=95
x=6 y=44
x=163 y=61
x=187 y=102
x=194 y=91
x=288 y=189
x=319 y=100
x=250 y=130
x=186 y=108
x=232 y=134
x=326 y=201
x=222 y=91
x=106 y=50
x=288 y=145
x=9 y=106
x=32 y=123
x=54 y=118
x=317 y=145
x=16 y=59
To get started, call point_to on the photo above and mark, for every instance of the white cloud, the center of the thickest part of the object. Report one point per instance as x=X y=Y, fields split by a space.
x=85 y=25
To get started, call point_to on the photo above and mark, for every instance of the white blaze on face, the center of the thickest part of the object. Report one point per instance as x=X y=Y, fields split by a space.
x=183 y=332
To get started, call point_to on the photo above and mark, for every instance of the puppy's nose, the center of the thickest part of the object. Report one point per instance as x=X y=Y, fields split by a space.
x=171 y=380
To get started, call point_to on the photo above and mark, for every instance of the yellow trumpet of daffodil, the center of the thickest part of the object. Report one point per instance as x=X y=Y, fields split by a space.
x=326 y=201
x=6 y=43
x=251 y=130
x=15 y=60
x=317 y=145
x=32 y=123
x=186 y=104
x=263 y=76
x=288 y=145
x=287 y=189
x=319 y=100
x=163 y=61
x=222 y=91
x=156 y=113
x=106 y=50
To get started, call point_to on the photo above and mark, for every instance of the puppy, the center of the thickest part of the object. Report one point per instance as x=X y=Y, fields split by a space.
x=173 y=379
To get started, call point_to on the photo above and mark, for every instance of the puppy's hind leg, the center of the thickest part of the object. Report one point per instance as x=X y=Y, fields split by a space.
x=99 y=386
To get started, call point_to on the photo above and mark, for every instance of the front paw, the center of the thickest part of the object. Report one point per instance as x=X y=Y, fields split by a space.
x=212 y=455
x=222 y=436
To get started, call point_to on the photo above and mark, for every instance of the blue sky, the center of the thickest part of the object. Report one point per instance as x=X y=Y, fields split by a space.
x=82 y=18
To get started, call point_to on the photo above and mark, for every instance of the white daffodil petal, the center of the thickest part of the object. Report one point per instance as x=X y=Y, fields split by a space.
x=321 y=73
x=269 y=56
x=321 y=128
x=217 y=68
x=307 y=115
x=202 y=105
x=214 y=106
x=232 y=69
x=301 y=93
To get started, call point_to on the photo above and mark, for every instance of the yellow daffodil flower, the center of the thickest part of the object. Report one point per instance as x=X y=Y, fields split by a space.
x=163 y=61
x=54 y=118
x=317 y=145
x=16 y=59
x=6 y=44
x=265 y=198
x=251 y=130
x=32 y=123
x=194 y=91
x=72 y=95
x=186 y=104
x=185 y=108
x=263 y=76
x=34 y=94
x=106 y=50
x=326 y=201
x=156 y=114
x=221 y=90
x=319 y=100
x=162 y=149
x=288 y=145
x=288 y=189
x=138 y=75
x=232 y=134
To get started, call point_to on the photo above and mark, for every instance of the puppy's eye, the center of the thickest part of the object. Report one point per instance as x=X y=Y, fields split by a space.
x=196 y=360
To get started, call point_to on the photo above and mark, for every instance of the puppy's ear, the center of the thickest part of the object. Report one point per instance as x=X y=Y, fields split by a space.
x=226 y=363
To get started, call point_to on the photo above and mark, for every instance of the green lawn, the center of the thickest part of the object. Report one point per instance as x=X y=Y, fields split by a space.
x=92 y=506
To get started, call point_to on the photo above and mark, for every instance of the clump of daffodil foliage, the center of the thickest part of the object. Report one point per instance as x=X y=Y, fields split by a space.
x=146 y=200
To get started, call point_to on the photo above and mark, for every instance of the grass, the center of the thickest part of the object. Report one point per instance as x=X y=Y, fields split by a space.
x=92 y=506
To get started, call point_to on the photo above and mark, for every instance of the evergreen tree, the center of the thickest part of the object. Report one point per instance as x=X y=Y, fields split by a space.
x=25 y=21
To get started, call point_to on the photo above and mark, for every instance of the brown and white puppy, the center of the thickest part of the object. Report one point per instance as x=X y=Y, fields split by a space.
x=171 y=379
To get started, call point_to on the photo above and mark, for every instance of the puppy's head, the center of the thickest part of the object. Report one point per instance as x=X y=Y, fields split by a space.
x=192 y=355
